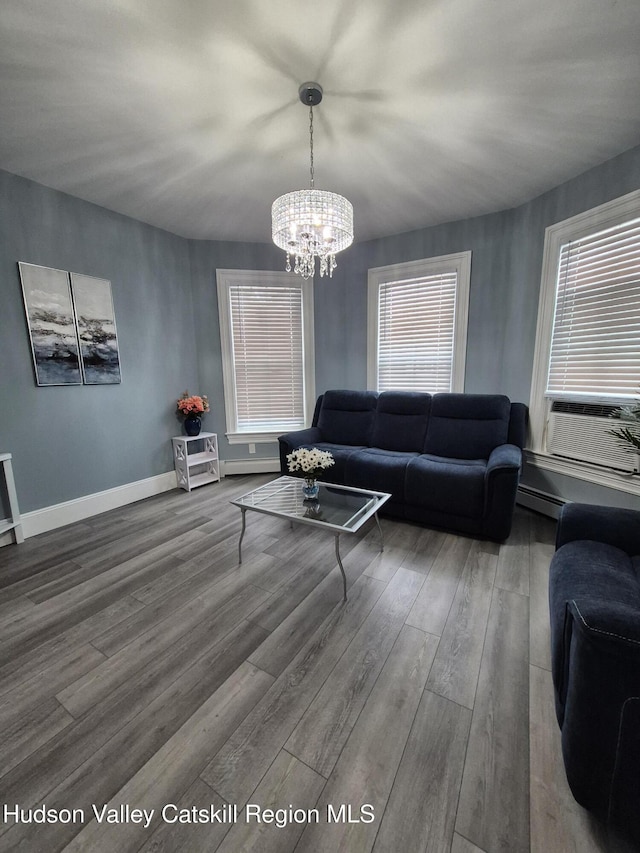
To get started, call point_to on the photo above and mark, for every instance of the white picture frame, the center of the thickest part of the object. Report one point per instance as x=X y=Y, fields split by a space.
x=51 y=324
x=96 y=327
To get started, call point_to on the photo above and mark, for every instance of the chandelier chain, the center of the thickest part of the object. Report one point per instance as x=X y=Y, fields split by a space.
x=311 y=147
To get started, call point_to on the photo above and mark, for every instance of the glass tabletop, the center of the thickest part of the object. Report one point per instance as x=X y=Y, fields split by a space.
x=337 y=507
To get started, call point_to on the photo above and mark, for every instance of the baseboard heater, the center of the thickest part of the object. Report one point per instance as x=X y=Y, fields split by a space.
x=539 y=501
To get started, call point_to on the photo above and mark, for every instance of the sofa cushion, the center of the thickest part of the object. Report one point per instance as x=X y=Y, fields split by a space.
x=346 y=417
x=341 y=453
x=401 y=421
x=379 y=470
x=467 y=426
x=453 y=486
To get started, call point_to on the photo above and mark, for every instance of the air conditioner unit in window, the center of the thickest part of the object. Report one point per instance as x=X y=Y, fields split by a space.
x=584 y=437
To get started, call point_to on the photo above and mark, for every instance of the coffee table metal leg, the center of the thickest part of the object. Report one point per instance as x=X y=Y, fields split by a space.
x=344 y=577
x=244 y=525
x=379 y=531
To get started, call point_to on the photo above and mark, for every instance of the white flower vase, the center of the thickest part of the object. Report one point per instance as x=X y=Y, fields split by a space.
x=310 y=489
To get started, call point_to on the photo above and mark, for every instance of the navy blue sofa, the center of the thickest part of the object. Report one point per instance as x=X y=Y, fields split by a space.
x=448 y=460
x=594 y=600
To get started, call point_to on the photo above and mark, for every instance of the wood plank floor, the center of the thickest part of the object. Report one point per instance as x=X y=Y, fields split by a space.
x=142 y=668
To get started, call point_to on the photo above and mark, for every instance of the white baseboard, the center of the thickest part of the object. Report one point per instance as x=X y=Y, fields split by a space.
x=59 y=515
x=250 y=466
x=539 y=501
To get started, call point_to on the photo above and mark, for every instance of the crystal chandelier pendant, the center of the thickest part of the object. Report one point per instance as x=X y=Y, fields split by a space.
x=310 y=224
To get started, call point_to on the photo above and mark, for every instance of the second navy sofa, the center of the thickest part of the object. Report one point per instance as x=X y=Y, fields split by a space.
x=594 y=601
x=448 y=460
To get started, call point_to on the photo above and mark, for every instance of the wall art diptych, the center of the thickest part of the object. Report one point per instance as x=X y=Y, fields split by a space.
x=72 y=327
x=96 y=325
x=52 y=326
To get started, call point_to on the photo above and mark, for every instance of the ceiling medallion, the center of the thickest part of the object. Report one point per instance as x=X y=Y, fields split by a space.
x=310 y=224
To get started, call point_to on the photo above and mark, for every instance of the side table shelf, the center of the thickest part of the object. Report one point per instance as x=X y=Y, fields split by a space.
x=15 y=522
x=199 y=466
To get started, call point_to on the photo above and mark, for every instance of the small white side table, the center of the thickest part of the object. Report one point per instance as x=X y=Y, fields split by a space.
x=14 y=523
x=199 y=466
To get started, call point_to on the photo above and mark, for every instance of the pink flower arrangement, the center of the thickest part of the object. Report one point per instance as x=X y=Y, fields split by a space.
x=192 y=405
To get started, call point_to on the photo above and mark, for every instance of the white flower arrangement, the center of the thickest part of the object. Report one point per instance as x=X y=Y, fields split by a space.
x=312 y=462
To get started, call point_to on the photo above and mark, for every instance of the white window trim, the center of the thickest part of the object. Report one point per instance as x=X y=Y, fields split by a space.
x=461 y=263
x=229 y=278
x=582 y=225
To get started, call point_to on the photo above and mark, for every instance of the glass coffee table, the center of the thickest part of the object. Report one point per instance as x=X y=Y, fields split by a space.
x=338 y=509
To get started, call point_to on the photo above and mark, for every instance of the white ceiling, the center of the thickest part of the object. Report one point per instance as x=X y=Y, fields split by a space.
x=185 y=113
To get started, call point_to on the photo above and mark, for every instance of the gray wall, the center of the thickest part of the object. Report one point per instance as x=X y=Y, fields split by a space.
x=341 y=303
x=73 y=441
x=76 y=440
x=506 y=265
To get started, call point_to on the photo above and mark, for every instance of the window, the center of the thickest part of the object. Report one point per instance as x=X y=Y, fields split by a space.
x=587 y=357
x=418 y=324
x=595 y=343
x=266 y=332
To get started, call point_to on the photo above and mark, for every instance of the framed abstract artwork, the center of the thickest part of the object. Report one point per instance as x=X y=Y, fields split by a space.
x=96 y=325
x=52 y=328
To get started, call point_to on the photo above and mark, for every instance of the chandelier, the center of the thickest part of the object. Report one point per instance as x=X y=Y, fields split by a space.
x=311 y=223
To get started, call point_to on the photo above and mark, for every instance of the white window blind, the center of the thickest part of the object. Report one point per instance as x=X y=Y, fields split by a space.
x=595 y=345
x=416 y=325
x=267 y=350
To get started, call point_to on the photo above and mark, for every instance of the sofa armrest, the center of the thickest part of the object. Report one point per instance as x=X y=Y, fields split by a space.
x=504 y=456
x=500 y=486
x=610 y=525
x=291 y=441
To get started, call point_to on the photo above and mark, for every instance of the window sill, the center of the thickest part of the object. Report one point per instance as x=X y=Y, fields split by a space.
x=253 y=437
x=607 y=477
